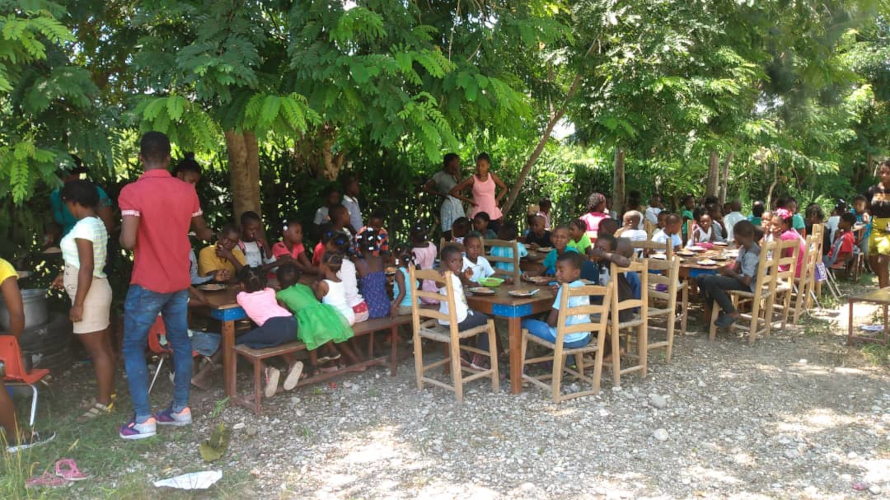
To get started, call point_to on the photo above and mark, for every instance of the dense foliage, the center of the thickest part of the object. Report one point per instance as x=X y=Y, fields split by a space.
x=792 y=97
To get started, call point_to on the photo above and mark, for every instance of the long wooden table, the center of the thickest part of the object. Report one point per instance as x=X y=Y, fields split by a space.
x=513 y=309
x=225 y=308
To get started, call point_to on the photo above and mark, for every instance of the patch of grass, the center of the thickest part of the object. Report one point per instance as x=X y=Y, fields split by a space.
x=877 y=354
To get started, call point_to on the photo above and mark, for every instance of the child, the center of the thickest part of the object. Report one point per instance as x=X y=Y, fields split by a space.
x=340 y=220
x=373 y=279
x=739 y=276
x=324 y=242
x=671 y=231
x=319 y=324
x=330 y=289
x=348 y=274
x=716 y=214
x=291 y=249
x=480 y=226
x=702 y=231
x=545 y=206
x=608 y=226
x=756 y=213
x=654 y=210
x=188 y=170
x=252 y=244
x=560 y=239
x=402 y=290
x=508 y=232
x=631 y=231
x=835 y=218
x=797 y=222
x=351 y=191
x=275 y=325
x=843 y=248
x=376 y=223
x=661 y=220
x=466 y=318
x=460 y=229
x=766 y=225
x=783 y=221
x=815 y=217
x=538 y=236
x=860 y=209
x=568 y=271
x=732 y=217
x=424 y=256
x=596 y=212
x=224 y=256
x=474 y=261
x=331 y=197
x=578 y=238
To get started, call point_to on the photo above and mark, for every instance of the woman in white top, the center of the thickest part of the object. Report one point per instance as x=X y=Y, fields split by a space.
x=84 y=252
x=441 y=185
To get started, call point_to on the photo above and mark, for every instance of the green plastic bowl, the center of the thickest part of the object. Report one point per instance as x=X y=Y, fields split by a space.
x=491 y=282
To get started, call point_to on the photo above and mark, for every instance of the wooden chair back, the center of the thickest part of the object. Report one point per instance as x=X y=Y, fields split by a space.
x=788 y=260
x=444 y=243
x=649 y=227
x=762 y=298
x=596 y=327
x=641 y=324
x=804 y=283
x=665 y=286
x=512 y=248
x=424 y=317
x=650 y=247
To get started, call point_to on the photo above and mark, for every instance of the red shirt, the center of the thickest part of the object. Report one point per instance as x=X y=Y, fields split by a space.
x=280 y=249
x=165 y=206
x=318 y=254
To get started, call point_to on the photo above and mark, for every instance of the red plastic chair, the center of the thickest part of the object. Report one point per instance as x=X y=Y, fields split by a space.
x=11 y=355
x=158 y=348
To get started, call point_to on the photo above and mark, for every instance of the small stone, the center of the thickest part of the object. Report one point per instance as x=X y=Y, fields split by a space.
x=251 y=431
x=701 y=383
x=791 y=454
x=563 y=433
x=239 y=426
x=875 y=489
x=657 y=401
x=660 y=435
x=852 y=455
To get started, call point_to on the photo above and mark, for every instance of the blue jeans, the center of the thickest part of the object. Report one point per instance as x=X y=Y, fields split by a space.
x=542 y=330
x=140 y=311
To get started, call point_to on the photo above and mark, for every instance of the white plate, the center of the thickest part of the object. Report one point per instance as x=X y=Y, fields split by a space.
x=481 y=290
x=708 y=262
x=695 y=248
x=522 y=293
x=212 y=287
x=721 y=244
x=544 y=249
x=683 y=253
x=658 y=256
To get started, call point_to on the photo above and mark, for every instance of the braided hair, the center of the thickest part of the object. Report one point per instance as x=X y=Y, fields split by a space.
x=253 y=278
x=368 y=241
x=333 y=260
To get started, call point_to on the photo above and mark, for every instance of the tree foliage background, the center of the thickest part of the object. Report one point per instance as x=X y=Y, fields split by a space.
x=278 y=99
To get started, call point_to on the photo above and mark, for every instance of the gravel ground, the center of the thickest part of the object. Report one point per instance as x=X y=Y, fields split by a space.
x=797 y=415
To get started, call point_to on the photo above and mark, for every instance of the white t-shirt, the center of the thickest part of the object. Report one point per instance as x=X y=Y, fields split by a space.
x=635 y=235
x=460 y=301
x=731 y=219
x=576 y=301
x=92 y=229
x=661 y=237
x=832 y=224
x=481 y=269
x=349 y=277
x=652 y=214
x=253 y=255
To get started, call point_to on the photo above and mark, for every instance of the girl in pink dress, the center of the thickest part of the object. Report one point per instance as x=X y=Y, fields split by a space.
x=596 y=212
x=783 y=225
x=484 y=186
x=424 y=258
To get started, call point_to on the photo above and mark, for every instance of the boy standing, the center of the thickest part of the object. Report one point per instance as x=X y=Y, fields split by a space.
x=350 y=201
x=158 y=210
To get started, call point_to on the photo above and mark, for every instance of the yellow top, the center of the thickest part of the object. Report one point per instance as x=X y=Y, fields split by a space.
x=209 y=262
x=7 y=271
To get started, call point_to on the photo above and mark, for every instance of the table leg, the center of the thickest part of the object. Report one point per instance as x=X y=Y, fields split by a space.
x=850 y=325
x=515 y=331
x=885 y=325
x=228 y=345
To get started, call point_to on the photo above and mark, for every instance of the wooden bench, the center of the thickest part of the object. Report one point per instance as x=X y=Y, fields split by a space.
x=369 y=328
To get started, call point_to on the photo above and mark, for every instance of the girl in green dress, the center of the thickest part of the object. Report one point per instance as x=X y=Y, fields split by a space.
x=319 y=323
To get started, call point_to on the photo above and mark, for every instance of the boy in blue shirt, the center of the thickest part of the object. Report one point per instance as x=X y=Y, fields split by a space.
x=568 y=271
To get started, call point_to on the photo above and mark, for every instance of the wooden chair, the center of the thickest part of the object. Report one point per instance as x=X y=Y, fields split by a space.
x=637 y=327
x=513 y=246
x=668 y=276
x=649 y=227
x=761 y=298
x=444 y=243
x=785 y=279
x=804 y=285
x=649 y=247
x=426 y=326
x=597 y=328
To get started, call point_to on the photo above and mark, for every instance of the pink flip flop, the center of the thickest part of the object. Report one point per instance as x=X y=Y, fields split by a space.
x=67 y=470
x=47 y=480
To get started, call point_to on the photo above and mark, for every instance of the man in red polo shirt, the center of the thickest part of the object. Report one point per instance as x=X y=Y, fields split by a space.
x=158 y=210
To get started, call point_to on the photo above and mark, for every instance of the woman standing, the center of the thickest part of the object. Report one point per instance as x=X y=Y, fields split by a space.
x=441 y=185
x=485 y=185
x=879 y=207
x=84 y=252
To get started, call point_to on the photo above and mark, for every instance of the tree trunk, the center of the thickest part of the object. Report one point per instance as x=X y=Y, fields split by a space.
x=554 y=118
x=772 y=187
x=713 y=174
x=618 y=195
x=244 y=167
x=724 y=178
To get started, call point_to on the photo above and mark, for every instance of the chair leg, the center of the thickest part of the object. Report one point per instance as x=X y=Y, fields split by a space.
x=755 y=320
x=157 y=372
x=33 y=405
x=394 y=351
x=456 y=374
x=616 y=354
x=671 y=325
x=685 y=316
x=556 y=382
x=786 y=306
x=643 y=347
x=598 y=362
x=493 y=358
x=418 y=361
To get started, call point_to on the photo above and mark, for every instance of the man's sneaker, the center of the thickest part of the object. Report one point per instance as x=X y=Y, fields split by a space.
x=134 y=430
x=725 y=321
x=35 y=440
x=169 y=417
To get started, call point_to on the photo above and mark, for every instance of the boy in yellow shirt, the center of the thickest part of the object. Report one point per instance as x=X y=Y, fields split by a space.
x=224 y=257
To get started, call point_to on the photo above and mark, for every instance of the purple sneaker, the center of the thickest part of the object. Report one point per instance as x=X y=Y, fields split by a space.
x=168 y=417
x=134 y=430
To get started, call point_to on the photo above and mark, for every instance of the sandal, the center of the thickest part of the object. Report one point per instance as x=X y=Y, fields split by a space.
x=47 y=480
x=325 y=359
x=293 y=376
x=329 y=369
x=272 y=375
x=67 y=469
x=97 y=410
